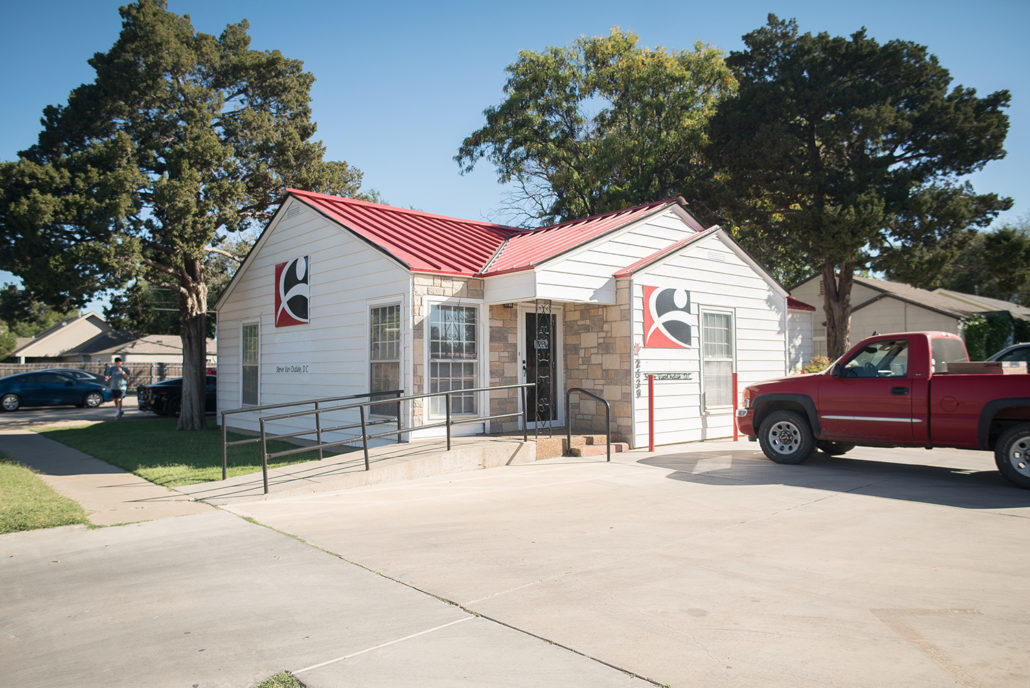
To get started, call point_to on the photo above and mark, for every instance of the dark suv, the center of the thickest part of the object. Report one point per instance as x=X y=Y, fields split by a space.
x=165 y=398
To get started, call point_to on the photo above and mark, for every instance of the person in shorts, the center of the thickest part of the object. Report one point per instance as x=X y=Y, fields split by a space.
x=117 y=379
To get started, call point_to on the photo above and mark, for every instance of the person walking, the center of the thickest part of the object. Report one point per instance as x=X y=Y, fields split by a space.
x=117 y=379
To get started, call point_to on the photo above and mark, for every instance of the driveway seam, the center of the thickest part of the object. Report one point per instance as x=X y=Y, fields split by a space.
x=460 y=606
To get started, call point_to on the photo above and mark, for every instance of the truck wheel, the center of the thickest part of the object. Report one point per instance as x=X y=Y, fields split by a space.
x=785 y=437
x=1012 y=454
x=833 y=448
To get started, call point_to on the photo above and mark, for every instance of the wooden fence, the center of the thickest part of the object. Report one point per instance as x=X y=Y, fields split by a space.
x=139 y=373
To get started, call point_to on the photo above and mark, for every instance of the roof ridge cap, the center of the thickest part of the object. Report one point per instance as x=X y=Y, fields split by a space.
x=672 y=199
x=409 y=211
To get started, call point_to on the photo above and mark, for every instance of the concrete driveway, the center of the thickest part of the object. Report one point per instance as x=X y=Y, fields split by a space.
x=708 y=565
x=30 y=416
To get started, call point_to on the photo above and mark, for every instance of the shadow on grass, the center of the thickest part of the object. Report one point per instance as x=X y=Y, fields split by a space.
x=153 y=449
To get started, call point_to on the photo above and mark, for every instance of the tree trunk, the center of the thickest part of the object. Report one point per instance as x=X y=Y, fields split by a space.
x=837 y=306
x=193 y=311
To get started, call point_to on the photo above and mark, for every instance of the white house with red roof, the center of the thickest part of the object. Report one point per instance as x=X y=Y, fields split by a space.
x=340 y=296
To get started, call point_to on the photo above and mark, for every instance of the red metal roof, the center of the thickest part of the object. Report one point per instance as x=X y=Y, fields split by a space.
x=796 y=305
x=531 y=247
x=423 y=242
x=658 y=255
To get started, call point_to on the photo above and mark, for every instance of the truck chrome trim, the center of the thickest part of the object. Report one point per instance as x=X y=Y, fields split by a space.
x=875 y=418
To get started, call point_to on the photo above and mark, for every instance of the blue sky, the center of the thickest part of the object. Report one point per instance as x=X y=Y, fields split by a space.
x=400 y=84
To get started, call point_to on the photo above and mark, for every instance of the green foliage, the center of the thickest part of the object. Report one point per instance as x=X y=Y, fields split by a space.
x=601 y=124
x=841 y=153
x=816 y=365
x=148 y=309
x=1020 y=330
x=283 y=679
x=995 y=264
x=21 y=315
x=27 y=503
x=988 y=334
x=182 y=139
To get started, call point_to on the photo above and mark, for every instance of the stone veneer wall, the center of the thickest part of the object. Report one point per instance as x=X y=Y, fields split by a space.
x=597 y=358
x=433 y=285
x=504 y=365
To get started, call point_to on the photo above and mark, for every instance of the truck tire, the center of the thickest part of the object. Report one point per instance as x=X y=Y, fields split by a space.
x=1012 y=455
x=833 y=448
x=786 y=438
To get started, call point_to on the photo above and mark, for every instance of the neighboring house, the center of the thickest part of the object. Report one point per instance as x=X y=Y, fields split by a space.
x=70 y=340
x=153 y=348
x=340 y=296
x=880 y=306
x=800 y=348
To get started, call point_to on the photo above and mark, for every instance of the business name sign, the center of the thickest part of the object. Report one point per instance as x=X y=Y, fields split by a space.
x=666 y=318
x=291 y=292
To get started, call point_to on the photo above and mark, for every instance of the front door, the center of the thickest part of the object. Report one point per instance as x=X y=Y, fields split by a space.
x=540 y=354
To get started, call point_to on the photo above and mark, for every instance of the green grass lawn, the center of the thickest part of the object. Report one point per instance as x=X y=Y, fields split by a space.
x=153 y=449
x=28 y=503
x=281 y=680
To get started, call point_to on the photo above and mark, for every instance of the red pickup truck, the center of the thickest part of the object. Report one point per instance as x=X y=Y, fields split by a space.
x=893 y=390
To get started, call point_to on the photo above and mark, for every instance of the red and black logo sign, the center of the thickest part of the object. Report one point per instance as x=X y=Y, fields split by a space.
x=291 y=292
x=666 y=318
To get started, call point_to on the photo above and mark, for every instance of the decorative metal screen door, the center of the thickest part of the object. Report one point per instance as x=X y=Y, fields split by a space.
x=541 y=365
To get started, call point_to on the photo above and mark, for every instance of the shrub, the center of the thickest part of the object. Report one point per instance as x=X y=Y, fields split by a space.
x=817 y=364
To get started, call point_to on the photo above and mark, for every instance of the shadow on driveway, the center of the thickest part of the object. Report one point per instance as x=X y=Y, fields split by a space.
x=964 y=486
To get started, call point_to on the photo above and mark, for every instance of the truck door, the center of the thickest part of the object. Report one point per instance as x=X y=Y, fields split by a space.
x=869 y=396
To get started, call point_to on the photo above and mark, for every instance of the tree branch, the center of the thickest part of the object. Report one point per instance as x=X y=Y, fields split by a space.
x=221 y=252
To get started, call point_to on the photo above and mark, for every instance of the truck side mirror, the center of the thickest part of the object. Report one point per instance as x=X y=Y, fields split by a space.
x=838 y=370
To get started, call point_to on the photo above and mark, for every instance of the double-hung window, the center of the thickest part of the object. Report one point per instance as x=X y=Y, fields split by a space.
x=251 y=358
x=717 y=353
x=385 y=354
x=453 y=356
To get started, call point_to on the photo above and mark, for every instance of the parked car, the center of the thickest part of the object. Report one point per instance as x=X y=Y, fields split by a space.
x=1016 y=352
x=165 y=398
x=77 y=373
x=894 y=390
x=50 y=388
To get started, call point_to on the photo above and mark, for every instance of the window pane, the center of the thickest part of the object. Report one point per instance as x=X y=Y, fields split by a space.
x=384 y=354
x=250 y=357
x=718 y=376
x=880 y=359
x=250 y=384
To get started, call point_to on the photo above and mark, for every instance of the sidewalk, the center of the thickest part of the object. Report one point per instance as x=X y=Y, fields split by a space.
x=109 y=494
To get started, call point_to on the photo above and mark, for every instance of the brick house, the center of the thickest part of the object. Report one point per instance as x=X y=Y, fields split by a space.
x=340 y=296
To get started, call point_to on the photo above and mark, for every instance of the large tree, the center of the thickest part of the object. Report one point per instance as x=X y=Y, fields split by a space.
x=842 y=151
x=182 y=138
x=599 y=125
x=995 y=263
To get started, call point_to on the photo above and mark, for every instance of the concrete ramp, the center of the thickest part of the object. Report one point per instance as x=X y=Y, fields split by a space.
x=390 y=463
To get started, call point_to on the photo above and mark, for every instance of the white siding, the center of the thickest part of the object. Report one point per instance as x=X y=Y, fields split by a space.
x=586 y=274
x=718 y=278
x=510 y=287
x=346 y=276
x=799 y=330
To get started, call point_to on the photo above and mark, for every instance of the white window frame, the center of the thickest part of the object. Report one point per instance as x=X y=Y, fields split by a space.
x=706 y=408
x=243 y=364
x=386 y=301
x=482 y=333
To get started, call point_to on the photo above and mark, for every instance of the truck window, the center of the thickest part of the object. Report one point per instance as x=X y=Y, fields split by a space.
x=946 y=351
x=888 y=358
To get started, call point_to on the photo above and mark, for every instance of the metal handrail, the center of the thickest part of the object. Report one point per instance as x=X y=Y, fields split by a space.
x=364 y=422
x=607 y=417
x=317 y=431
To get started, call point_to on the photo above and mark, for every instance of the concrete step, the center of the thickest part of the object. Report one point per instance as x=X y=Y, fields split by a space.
x=597 y=449
x=580 y=440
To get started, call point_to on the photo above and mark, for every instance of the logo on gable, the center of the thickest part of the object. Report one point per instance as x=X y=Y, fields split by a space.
x=666 y=318
x=291 y=292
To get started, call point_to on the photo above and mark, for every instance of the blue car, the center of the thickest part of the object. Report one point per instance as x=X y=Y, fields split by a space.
x=50 y=388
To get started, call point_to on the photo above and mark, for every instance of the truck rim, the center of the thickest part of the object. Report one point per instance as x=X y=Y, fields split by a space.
x=1019 y=455
x=784 y=437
